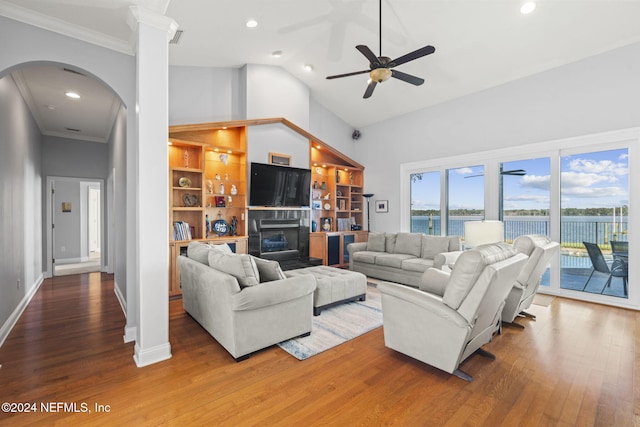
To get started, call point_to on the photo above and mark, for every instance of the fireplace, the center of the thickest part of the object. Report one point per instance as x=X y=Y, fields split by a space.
x=279 y=238
x=280 y=234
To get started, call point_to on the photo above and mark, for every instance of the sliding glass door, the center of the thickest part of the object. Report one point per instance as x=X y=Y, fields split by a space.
x=594 y=222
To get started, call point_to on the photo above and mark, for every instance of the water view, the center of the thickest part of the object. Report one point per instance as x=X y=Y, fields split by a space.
x=573 y=230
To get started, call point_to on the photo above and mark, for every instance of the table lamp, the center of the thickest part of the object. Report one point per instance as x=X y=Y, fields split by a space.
x=478 y=233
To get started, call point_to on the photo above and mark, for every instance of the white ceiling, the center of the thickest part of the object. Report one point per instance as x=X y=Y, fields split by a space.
x=479 y=43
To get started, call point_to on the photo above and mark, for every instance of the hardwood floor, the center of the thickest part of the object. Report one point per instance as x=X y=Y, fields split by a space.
x=576 y=365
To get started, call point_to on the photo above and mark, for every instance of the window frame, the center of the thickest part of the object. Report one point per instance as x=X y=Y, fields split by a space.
x=620 y=139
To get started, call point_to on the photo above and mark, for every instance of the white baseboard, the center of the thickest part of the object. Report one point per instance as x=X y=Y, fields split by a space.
x=63 y=261
x=130 y=332
x=121 y=298
x=15 y=316
x=146 y=357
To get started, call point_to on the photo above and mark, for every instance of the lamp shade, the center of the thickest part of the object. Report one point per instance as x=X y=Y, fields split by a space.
x=478 y=233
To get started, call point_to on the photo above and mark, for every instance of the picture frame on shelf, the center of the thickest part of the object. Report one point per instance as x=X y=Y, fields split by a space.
x=279 y=159
x=326 y=224
x=382 y=206
x=316 y=204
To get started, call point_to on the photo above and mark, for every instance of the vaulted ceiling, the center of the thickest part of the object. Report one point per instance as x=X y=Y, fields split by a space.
x=479 y=43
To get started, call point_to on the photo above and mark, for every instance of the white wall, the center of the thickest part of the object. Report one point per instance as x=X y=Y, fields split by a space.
x=273 y=92
x=594 y=95
x=20 y=205
x=201 y=95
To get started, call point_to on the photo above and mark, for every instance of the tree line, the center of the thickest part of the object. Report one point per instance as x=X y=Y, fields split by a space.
x=621 y=210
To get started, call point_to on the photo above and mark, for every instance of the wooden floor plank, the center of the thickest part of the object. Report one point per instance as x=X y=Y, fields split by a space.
x=577 y=364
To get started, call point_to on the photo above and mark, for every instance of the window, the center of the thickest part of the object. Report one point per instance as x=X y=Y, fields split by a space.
x=465 y=196
x=425 y=203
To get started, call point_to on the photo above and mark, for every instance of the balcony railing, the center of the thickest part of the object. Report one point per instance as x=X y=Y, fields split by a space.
x=572 y=231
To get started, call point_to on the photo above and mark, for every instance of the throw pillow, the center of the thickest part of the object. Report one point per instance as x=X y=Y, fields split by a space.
x=224 y=248
x=199 y=252
x=376 y=242
x=409 y=244
x=434 y=245
x=390 y=242
x=240 y=266
x=269 y=270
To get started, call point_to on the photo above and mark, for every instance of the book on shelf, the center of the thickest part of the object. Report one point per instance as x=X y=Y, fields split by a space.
x=181 y=230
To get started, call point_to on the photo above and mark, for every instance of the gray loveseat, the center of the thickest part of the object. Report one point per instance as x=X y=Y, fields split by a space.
x=400 y=257
x=245 y=303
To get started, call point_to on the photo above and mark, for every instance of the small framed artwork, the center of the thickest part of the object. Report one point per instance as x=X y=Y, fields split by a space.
x=317 y=204
x=382 y=206
x=326 y=224
x=279 y=159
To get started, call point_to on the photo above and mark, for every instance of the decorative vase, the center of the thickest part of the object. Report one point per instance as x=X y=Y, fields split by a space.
x=221 y=188
x=314 y=226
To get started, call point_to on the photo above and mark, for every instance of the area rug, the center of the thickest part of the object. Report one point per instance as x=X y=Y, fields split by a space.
x=543 y=300
x=337 y=325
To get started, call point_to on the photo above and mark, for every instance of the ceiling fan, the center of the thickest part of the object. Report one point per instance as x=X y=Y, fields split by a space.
x=514 y=172
x=381 y=67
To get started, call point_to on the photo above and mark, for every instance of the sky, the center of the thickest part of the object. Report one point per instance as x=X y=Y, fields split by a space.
x=597 y=179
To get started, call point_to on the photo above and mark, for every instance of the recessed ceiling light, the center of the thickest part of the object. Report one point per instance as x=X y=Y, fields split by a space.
x=308 y=67
x=72 y=95
x=276 y=53
x=528 y=7
x=50 y=107
x=251 y=23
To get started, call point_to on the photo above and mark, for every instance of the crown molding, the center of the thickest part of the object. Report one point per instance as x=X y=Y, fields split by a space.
x=141 y=15
x=59 y=26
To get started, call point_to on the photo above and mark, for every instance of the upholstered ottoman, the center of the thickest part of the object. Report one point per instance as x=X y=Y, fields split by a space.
x=334 y=286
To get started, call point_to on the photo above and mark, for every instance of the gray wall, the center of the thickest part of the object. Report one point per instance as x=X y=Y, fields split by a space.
x=73 y=158
x=116 y=212
x=20 y=202
x=598 y=94
x=62 y=157
x=68 y=238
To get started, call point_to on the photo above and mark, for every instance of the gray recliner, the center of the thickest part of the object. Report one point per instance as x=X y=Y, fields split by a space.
x=540 y=250
x=452 y=314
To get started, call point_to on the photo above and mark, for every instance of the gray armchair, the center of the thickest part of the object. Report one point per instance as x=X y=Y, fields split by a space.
x=244 y=320
x=452 y=314
x=540 y=250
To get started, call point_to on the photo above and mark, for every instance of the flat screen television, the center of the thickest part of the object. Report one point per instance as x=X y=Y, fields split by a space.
x=272 y=185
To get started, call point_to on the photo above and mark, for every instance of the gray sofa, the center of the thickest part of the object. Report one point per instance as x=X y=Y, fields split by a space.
x=245 y=303
x=400 y=257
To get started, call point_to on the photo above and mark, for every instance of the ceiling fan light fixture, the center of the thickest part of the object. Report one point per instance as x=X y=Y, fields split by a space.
x=380 y=75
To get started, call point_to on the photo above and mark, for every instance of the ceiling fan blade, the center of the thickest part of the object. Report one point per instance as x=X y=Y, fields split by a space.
x=355 y=73
x=407 y=77
x=516 y=172
x=373 y=59
x=370 y=88
x=427 y=50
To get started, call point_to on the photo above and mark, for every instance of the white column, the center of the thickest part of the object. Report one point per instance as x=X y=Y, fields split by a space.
x=151 y=258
